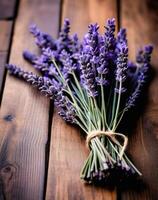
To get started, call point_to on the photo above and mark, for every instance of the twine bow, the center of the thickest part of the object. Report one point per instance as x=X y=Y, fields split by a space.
x=111 y=135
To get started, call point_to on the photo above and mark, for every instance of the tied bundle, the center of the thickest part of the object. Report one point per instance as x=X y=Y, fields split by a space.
x=92 y=85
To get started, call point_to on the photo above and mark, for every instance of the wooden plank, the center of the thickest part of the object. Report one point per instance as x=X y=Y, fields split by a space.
x=141 y=19
x=5 y=31
x=3 y=59
x=24 y=114
x=7 y=9
x=5 y=37
x=68 y=151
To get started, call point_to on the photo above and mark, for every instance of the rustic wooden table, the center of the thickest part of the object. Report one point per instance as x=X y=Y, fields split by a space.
x=40 y=155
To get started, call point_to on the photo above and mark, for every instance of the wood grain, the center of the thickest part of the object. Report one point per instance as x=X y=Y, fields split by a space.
x=7 y=9
x=141 y=19
x=68 y=151
x=5 y=38
x=24 y=113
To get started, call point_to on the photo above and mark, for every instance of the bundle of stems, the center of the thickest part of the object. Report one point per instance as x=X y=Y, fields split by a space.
x=93 y=85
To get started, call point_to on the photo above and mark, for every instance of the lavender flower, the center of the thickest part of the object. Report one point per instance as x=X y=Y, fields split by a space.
x=92 y=38
x=64 y=40
x=42 y=64
x=75 y=45
x=30 y=57
x=44 y=84
x=88 y=73
x=89 y=59
x=131 y=69
x=109 y=38
x=70 y=64
x=65 y=108
x=121 y=36
x=42 y=39
x=143 y=59
x=107 y=52
x=64 y=34
x=53 y=49
x=122 y=60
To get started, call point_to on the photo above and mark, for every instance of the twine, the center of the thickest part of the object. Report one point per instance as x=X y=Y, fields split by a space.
x=111 y=135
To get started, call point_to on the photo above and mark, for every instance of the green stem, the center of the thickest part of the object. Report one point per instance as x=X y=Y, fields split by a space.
x=103 y=109
x=119 y=120
x=80 y=112
x=97 y=114
x=118 y=105
x=114 y=104
x=80 y=89
x=133 y=165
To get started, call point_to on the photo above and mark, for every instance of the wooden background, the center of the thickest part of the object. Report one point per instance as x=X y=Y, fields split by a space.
x=40 y=155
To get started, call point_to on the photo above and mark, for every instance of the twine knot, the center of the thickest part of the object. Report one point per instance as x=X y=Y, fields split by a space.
x=111 y=135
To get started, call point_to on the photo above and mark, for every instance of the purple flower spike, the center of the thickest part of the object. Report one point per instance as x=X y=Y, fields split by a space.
x=30 y=57
x=70 y=64
x=44 y=84
x=89 y=59
x=121 y=36
x=88 y=74
x=107 y=53
x=42 y=39
x=122 y=56
x=65 y=30
x=34 y=30
x=143 y=59
x=65 y=108
x=122 y=59
x=131 y=69
x=93 y=37
x=64 y=39
x=109 y=38
x=148 y=49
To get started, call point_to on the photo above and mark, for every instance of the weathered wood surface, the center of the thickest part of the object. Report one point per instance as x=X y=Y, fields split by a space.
x=24 y=113
x=5 y=38
x=8 y=9
x=40 y=155
x=141 y=20
x=68 y=151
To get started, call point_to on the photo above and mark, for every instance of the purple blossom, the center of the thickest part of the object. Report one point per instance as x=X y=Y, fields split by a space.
x=70 y=64
x=92 y=38
x=64 y=43
x=109 y=37
x=64 y=106
x=107 y=52
x=131 y=69
x=42 y=39
x=42 y=64
x=75 y=44
x=88 y=73
x=143 y=59
x=121 y=36
x=30 y=57
x=122 y=60
x=64 y=40
x=43 y=83
x=89 y=59
x=93 y=61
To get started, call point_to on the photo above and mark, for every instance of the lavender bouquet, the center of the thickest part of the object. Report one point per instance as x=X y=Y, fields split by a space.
x=93 y=85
